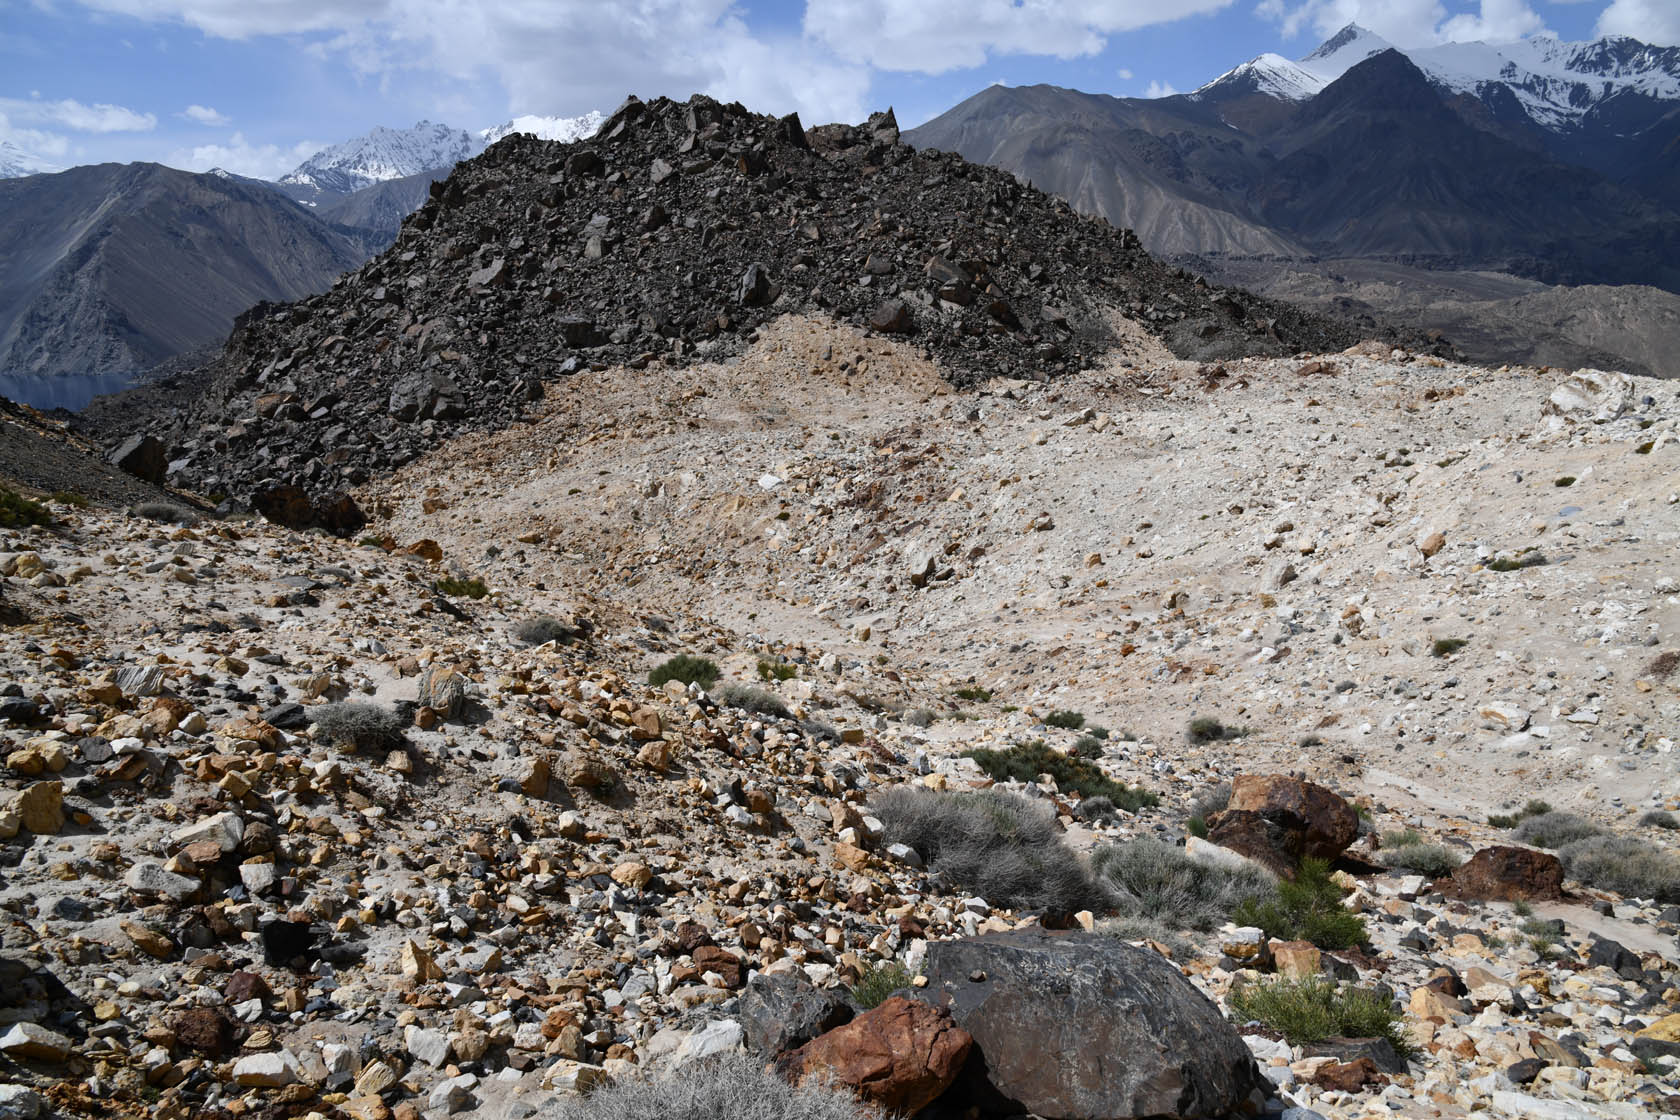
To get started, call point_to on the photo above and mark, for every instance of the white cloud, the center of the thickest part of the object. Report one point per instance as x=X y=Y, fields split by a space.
x=1124 y=74
x=38 y=148
x=74 y=115
x=1409 y=23
x=203 y=114
x=240 y=156
x=1159 y=89
x=933 y=36
x=1650 y=21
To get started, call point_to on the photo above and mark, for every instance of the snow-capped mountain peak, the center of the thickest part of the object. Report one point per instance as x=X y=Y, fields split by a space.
x=16 y=163
x=562 y=129
x=1343 y=51
x=1269 y=74
x=382 y=155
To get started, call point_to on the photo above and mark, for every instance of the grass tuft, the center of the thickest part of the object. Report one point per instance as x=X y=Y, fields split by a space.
x=543 y=629
x=1307 y=909
x=457 y=588
x=359 y=726
x=1433 y=860
x=1314 y=1009
x=1554 y=830
x=878 y=982
x=776 y=671
x=1630 y=866
x=1003 y=847
x=749 y=699
x=1066 y=720
x=1206 y=729
x=722 y=1087
x=1446 y=647
x=686 y=668
x=974 y=694
x=1511 y=820
x=1155 y=880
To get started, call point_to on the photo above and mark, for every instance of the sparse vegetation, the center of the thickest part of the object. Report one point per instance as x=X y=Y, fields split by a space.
x=1211 y=801
x=1206 y=729
x=1151 y=879
x=1088 y=746
x=974 y=694
x=1554 y=830
x=1097 y=810
x=1001 y=846
x=166 y=512
x=878 y=982
x=16 y=510
x=749 y=699
x=1445 y=647
x=1663 y=665
x=1628 y=865
x=685 y=668
x=1660 y=818
x=1315 y=1009
x=776 y=671
x=1433 y=860
x=359 y=726
x=70 y=498
x=542 y=629
x=1565 y=480
x=1066 y=720
x=1528 y=558
x=456 y=587
x=919 y=717
x=1024 y=762
x=1147 y=929
x=722 y=1087
x=1307 y=909
x=1510 y=820
x=1543 y=933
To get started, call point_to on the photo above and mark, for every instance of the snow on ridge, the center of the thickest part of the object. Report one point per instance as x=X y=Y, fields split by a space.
x=1272 y=74
x=383 y=154
x=561 y=129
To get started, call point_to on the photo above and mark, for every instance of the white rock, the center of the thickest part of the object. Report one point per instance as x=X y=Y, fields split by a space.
x=266 y=1071
x=716 y=1037
x=226 y=829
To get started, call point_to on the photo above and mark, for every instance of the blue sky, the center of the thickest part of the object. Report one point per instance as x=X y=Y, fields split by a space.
x=258 y=85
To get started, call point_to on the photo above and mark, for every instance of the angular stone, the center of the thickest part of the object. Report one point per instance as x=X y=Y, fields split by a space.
x=266 y=1071
x=204 y=1030
x=149 y=878
x=30 y=1040
x=442 y=689
x=225 y=829
x=900 y=1056
x=1131 y=1036
x=784 y=1011
x=431 y=1047
x=40 y=807
x=142 y=456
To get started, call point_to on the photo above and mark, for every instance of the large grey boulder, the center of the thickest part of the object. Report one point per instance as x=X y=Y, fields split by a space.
x=143 y=457
x=1078 y=1025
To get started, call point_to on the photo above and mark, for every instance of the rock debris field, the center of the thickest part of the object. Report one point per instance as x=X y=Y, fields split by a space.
x=1182 y=717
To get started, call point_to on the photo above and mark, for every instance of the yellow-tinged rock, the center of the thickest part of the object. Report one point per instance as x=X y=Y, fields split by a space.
x=1666 y=1029
x=417 y=964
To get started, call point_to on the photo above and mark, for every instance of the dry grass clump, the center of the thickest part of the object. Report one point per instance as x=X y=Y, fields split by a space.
x=723 y=1087
x=359 y=726
x=1154 y=880
x=1003 y=847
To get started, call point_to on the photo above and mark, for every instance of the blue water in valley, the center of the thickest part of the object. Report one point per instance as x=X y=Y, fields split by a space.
x=72 y=391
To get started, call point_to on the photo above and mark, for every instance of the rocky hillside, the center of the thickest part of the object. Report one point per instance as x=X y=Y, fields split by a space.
x=400 y=828
x=109 y=269
x=670 y=237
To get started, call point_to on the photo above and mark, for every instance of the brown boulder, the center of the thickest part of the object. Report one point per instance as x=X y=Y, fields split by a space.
x=205 y=1030
x=1278 y=821
x=710 y=958
x=901 y=1056
x=1506 y=874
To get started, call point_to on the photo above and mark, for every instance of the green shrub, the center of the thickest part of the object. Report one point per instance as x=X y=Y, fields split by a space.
x=1444 y=647
x=1212 y=800
x=1024 y=762
x=1206 y=729
x=16 y=510
x=685 y=668
x=457 y=588
x=974 y=693
x=1066 y=720
x=1307 y=909
x=750 y=699
x=1003 y=847
x=878 y=982
x=1088 y=746
x=1554 y=830
x=1542 y=933
x=776 y=671
x=1151 y=879
x=1311 y=1010
x=543 y=629
x=1660 y=818
x=70 y=498
x=1511 y=820
x=1098 y=732
x=359 y=726
x=1197 y=827
x=1566 y=480
x=1628 y=865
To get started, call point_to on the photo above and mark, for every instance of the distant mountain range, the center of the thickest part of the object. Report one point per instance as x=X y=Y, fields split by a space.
x=108 y=270
x=1555 y=161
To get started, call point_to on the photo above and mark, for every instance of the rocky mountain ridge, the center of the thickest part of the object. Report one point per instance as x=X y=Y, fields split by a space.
x=668 y=238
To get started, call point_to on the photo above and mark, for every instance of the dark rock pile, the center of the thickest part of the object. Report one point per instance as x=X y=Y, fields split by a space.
x=671 y=235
